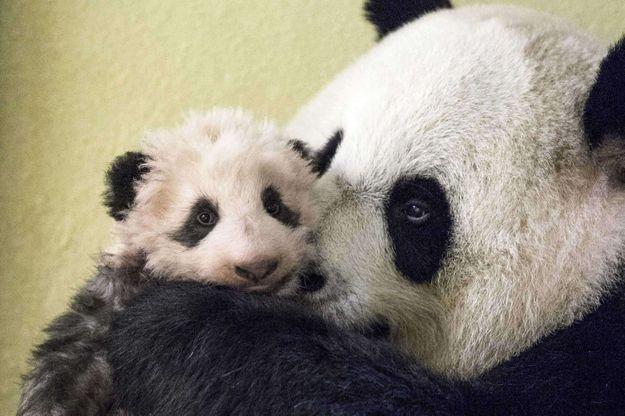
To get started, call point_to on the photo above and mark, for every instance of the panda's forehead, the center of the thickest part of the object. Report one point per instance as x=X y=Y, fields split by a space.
x=228 y=174
x=456 y=89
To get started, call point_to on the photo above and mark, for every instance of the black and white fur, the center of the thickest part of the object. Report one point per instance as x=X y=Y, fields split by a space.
x=221 y=200
x=475 y=208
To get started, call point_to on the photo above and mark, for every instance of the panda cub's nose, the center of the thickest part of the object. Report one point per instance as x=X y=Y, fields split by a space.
x=256 y=271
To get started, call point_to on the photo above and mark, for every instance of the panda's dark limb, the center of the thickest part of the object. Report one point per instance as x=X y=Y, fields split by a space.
x=577 y=371
x=70 y=373
x=188 y=349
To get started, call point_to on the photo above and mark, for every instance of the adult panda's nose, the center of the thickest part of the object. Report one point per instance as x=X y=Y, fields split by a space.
x=256 y=271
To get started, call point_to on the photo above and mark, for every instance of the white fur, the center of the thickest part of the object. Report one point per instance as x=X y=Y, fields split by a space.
x=227 y=158
x=487 y=100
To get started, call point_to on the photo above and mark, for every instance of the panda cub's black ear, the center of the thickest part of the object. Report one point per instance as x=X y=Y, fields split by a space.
x=389 y=15
x=321 y=160
x=121 y=177
x=604 y=112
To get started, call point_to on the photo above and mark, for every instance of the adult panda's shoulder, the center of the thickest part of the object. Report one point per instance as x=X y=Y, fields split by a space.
x=214 y=351
x=189 y=349
x=578 y=370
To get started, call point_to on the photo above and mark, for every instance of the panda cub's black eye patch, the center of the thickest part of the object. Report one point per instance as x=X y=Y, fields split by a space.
x=419 y=225
x=202 y=218
x=272 y=202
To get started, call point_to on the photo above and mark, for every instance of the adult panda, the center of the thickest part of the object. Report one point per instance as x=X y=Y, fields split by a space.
x=472 y=231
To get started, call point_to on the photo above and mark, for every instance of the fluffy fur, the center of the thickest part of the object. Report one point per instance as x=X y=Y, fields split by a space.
x=71 y=374
x=228 y=161
x=489 y=102
x=253 y=193
x=220 y=352
x=121 y=177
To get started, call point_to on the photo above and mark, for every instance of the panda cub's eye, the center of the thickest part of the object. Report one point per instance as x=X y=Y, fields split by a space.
x=273 y=208
x=276 y=208
x=415 y=211
x=206 y=218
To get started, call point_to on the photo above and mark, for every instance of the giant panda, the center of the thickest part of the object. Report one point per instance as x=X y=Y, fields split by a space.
x=470 y=245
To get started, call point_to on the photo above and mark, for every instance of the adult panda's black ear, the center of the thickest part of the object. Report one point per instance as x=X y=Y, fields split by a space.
x=121 y=178
x=604 y=112
x=321 y=160
x=388 y=15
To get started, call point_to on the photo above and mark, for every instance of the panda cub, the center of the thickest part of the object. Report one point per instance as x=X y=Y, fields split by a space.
x=222 y=200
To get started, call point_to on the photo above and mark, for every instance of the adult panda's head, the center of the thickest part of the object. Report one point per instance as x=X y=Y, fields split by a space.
x=477 y=202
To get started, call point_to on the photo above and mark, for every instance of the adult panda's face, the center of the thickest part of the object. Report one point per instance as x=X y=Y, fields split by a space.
x=464 y=209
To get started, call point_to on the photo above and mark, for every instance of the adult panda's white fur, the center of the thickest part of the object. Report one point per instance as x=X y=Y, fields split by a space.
x=488 y=101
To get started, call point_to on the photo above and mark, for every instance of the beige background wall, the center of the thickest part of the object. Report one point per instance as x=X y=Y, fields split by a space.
x=81 y=79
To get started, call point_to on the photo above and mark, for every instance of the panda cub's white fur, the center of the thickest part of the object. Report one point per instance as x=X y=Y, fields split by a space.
x=253 y=190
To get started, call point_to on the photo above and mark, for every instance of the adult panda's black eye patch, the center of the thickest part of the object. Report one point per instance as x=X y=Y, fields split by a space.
x=419 y=225
x=202 y=218
x=272 y=202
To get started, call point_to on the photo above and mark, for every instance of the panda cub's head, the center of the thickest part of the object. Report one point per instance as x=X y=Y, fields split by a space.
x=477 y=201
x=220 y=199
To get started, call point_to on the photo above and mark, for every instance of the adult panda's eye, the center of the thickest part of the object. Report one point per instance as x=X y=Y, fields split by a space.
x=206 y=218
x=415 y=211
x=419 y=224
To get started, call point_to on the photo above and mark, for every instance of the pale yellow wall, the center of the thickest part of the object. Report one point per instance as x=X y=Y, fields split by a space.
x=81 y=79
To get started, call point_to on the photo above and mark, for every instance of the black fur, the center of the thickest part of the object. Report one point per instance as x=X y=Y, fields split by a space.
x=311 y=281
x=287 y=216
x=301 y=149
x=221 y=352
x=378 y=328
x=323 y=158
x=121 y=177
x=194 y=350
x=418 y=248
x=192 y=232
x=577 y=371
x=70 y=373
x=389 y=15
x=604 y=113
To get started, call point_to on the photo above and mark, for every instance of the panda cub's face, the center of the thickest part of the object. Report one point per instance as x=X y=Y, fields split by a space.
x=221 y=199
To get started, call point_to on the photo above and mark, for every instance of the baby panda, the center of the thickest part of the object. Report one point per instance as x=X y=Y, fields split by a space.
x=221 y=200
